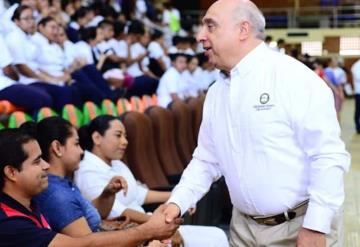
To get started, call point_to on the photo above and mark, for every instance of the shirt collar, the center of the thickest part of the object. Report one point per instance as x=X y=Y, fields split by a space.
x=11 y=202
x=43 y=38
x=60 y=180
x=249 y=62
x=96 y=162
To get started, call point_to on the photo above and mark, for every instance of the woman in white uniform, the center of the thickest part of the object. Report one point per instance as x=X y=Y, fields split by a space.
x=105 y=141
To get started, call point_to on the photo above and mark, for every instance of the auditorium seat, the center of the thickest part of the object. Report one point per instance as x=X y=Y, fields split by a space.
x=123 y=105
x=17 y=118
x=90 y=111
x=196 y=108
x=149 y=101
x=73 y=115
x=164 y=133
x=6 y=107
x=109 y=108
x=136 y=104
x=141 y=154
x=45 y=112
x=183 y=130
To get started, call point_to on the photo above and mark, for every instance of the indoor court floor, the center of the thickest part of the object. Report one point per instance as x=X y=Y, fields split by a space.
x=352 y=179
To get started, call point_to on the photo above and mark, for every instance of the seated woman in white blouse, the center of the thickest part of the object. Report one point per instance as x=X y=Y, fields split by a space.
x=105 y=141
x=25 y=54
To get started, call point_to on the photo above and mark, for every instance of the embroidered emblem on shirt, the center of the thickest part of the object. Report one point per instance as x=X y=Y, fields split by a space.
x=264 y=98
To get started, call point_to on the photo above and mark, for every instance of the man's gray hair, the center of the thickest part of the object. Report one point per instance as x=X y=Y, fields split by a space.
x=247 y=11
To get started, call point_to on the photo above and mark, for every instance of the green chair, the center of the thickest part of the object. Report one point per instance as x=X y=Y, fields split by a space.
x=45 y=112
x=17 y=118
x=73 y=115
x=90 y=111
x=109 y=108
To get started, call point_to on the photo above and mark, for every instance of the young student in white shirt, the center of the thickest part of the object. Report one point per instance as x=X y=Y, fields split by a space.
x=104 y=140
x=86 y=78
x=210 y=73
x=114 y=67
x=193 y=77
x=145 y=81
x=7 y=24
x=80 y=20
x=25 y=53
x=159 y=59
x=171 y=85
x=13 y=91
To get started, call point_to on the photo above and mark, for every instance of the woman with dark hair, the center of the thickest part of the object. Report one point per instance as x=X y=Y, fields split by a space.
x=67 y=211
x=105 y=142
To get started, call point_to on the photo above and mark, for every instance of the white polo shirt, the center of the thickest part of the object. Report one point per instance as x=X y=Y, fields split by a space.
x=157 y=52
x=7 y=25
x=84 y=50
x=271 y=130
x=134 y=69
x=24 y=51
x=171 y=82
x=193 y=81
x=94 y=174
x=208 y=77
x=121 y=49
x=5 y=60
x=52 y=58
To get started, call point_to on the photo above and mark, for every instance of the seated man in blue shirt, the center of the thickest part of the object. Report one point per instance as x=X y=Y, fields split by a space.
x=23 y=175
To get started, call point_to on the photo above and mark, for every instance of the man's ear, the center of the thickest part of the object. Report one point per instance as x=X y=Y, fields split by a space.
x=56 y=148
x=244 y=30
x=10 y=172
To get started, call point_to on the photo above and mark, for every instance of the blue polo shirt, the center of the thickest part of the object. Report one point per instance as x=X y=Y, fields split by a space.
x=21 y=227
x=62 y=203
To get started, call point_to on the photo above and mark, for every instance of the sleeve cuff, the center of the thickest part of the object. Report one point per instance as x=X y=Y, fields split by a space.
x=182 y=206
x=318 y=218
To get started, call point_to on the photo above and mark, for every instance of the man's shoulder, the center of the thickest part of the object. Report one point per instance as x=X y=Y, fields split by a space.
x=21 y=231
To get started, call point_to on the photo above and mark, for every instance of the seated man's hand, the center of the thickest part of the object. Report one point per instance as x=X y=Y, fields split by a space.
x=116 y=184
x=158 y=228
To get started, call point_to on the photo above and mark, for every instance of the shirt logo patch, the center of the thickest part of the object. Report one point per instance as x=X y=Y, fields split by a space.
x=264 y=98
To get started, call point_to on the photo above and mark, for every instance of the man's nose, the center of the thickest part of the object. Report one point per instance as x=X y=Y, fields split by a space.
x=200 y=37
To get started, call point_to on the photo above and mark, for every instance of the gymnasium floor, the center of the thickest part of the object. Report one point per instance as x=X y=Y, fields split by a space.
x=352 y=179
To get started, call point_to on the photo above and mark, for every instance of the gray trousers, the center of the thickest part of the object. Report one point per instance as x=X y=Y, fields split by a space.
x=244 y=231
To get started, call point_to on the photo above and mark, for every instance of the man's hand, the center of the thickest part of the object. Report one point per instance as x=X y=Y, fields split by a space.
x=171 y=211
x=157 y=228
x=309 y=238
x=116 y=184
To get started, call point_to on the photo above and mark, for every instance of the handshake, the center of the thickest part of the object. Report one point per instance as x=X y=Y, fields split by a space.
x=163 y=223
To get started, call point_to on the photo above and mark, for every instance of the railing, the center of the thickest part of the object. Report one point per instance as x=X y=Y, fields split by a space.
x=312 y=17
x=304 y=17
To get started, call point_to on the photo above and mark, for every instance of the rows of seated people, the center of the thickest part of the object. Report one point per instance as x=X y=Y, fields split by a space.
x=106 y=57
x=92 y=157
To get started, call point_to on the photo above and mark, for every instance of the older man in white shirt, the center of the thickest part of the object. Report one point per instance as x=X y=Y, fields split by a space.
x=270 y=129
